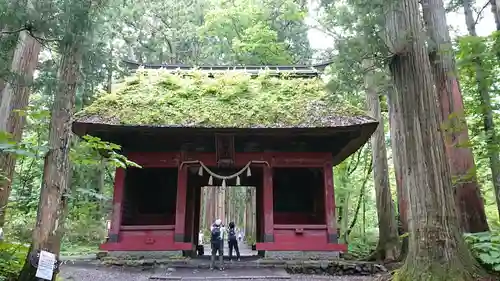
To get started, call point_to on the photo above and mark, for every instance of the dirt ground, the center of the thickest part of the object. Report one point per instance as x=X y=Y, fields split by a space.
x=100 y=273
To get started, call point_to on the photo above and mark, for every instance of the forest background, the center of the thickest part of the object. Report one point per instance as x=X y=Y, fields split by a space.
x=94 y=37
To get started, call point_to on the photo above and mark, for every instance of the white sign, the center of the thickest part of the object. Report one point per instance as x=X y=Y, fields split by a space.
x=46 y=263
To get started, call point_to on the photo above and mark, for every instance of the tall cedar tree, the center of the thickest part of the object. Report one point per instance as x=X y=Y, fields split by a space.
x=388 y=243
x=14 y=97
x=486 y=106
x=468 y=196
x=398 y=159
x=47 y=232
x=437 y=250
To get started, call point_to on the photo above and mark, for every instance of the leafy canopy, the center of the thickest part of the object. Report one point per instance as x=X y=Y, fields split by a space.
x=232 y=99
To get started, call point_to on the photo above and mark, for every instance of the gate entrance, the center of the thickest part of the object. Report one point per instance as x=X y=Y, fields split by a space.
x=230 y=203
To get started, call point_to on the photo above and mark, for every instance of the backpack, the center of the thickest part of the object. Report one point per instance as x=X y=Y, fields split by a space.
x=232 y=234
x=216 y=235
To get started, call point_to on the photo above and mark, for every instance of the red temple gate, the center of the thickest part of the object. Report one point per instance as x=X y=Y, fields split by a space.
x=157 y=207
x=279 y=230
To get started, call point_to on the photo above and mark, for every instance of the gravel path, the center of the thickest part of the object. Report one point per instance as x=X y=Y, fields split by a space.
x=93 y=273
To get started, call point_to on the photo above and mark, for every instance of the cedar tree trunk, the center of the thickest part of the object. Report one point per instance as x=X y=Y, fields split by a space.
x=437 y=250
x=15 y=96
x=495 y=9
x=8 y=43
x=388 y=241
x=468 y=195
x=398 y=160
x=56 y=174
x=492 y=139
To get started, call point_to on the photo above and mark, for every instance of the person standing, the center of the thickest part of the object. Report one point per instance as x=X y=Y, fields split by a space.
x=217 y=243
x=200 y=238
x=233 y=242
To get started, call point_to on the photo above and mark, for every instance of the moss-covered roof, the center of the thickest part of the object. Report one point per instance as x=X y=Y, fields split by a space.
x=230 y=100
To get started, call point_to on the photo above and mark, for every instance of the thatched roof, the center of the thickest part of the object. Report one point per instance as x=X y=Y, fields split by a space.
x=232 y=99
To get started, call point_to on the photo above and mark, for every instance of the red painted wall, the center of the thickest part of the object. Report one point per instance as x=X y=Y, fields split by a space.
x=284 y=237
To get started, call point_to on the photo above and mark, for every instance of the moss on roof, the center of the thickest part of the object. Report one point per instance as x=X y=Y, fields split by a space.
x=229 y=100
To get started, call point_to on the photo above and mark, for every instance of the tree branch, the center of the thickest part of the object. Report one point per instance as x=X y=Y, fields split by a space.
x=361 y=196
x=481 y=11
x=351 y=168
x=30 y=29
x=15 y=31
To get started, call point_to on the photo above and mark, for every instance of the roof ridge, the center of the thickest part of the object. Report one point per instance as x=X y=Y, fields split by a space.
x=312 y=70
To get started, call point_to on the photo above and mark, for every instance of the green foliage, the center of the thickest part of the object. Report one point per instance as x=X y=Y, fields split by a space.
x=9 y=145
x=470 y=51
x=12 y=256
x=250 y=240
x=91 y=150
x=259 y=45
x=486 y=247
x=259 y=32
x=85 y=229
x=214 y=32
x=361 y=245
x=229 y=100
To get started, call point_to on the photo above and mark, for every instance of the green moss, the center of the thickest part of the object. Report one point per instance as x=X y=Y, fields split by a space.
x=160 y=98
x=421 y=269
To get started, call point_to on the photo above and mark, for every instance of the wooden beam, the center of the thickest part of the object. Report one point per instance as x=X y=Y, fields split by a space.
x=329 y=197
x=116 y=219
x=180 y=210
x=268 y=205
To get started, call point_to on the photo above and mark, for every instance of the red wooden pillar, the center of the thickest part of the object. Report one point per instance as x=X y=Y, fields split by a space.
x=116 y=217
x=267 y=198
x=180 y=210
x=331 y=222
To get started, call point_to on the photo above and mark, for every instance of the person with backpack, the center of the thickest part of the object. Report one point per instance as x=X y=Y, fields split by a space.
x=233 y=242
x=217 y=243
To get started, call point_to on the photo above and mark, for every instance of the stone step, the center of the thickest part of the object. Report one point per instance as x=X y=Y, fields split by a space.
x=227 y=274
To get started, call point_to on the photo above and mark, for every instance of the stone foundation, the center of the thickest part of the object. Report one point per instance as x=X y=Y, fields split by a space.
x=335 y=268
x=144 y=254
x=302 y=255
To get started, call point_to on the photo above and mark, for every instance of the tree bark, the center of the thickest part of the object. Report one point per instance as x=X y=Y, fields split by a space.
x=101 y=176
x=57 y=167
x=463 y=169
x=388 y=241
x=248 y=214
x=495 y=9
x=437 y=250
x=208 y=207
x=15 y=96
x=398 y=160
x=344 y=220
x=8 y=43
x=492 y=138
x=254 y=212
x=222 y=204
x=213 y=205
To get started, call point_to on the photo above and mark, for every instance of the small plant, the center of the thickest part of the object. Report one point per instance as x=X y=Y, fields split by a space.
x=250 y=240
x=12 y=256
x=486 y=247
